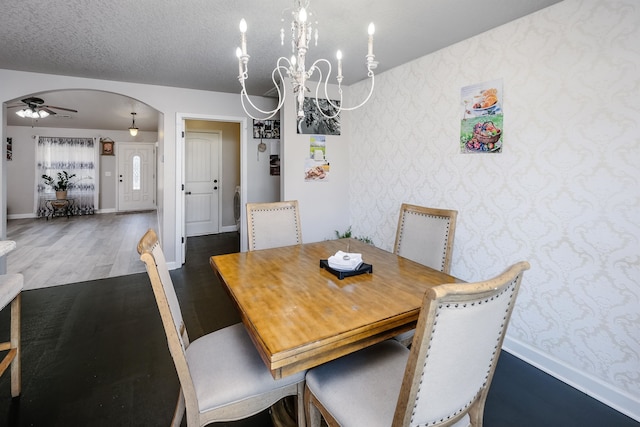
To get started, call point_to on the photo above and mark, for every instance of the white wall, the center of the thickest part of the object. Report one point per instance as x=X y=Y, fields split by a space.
x=324 y=205
x=564 y=194
x=170 y=102
x=265 y=187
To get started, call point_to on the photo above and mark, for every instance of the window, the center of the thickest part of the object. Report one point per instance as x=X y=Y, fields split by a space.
x=136 y=172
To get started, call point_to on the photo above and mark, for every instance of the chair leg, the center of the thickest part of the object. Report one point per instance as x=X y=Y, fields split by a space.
x=300 y=408
x=312 y=413
x=16 y=381
x=178 y=414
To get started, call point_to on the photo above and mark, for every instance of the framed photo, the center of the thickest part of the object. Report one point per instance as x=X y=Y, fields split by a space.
x=266 y=129
x=107 y=148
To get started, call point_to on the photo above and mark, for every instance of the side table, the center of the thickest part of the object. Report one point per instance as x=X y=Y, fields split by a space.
x=59 y=207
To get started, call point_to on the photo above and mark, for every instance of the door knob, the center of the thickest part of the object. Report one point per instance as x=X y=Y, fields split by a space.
x=188 y=192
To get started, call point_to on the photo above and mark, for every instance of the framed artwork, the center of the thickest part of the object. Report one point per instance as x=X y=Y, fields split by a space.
x=266 y=129
x=314 y=122
x=9 y=149
x=107 y=148
x=482 y=118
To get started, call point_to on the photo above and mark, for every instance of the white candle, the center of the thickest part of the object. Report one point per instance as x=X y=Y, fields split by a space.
x=339 y=56
x=371 y=30
x=243 y=31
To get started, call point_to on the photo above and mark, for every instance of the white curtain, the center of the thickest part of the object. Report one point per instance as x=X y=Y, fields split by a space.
x=75 y=156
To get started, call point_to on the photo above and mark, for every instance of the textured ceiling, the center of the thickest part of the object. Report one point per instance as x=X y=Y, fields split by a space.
x=192 y=43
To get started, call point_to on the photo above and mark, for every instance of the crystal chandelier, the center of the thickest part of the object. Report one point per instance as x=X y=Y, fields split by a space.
x=302 y=32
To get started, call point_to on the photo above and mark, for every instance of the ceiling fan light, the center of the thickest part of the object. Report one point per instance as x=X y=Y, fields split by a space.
x=41 y=113
x=22 y=113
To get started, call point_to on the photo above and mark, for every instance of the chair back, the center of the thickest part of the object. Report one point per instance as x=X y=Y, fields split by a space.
x=455 y=350
x=177 y=338
x=272 y=225
x=425 y=235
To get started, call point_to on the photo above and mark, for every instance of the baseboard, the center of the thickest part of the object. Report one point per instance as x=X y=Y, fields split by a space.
x=33 y=216
x=617 y=399
x=228 y=228
x=21 y=216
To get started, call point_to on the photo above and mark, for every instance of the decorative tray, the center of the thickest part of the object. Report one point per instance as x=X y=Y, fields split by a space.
x=341 y=274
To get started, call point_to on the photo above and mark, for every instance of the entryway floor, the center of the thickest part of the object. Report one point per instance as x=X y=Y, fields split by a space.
x=63 y=250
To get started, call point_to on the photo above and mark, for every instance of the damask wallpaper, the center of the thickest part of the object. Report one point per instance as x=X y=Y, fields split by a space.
x=564 y=194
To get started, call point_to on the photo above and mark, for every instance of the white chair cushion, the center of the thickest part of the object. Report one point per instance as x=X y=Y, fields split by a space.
x=362 y=388
x=237 y=373
x=10 y=287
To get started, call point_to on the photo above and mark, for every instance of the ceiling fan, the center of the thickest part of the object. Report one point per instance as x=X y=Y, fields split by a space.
x=35 y=108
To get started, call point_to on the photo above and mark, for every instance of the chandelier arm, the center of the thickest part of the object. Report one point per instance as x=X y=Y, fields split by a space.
x=365 y=100
x=337 y=108
x=340 y=107
x=281 y=97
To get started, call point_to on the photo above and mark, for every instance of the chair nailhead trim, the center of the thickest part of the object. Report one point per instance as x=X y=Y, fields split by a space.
x=446 y=234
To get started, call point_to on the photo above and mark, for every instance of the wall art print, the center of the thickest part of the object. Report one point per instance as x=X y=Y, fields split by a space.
x=481 y=126
x=314 y=122
x=316 y=166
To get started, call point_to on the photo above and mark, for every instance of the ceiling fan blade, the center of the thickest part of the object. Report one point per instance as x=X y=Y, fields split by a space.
x=51 y=112
x=60 y=108
x=33 y=100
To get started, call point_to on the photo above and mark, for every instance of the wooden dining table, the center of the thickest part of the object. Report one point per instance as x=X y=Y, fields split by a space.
x=300 y=315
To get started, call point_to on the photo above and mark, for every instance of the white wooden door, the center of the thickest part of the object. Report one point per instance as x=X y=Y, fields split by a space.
x=136 y=176
x=202 y=186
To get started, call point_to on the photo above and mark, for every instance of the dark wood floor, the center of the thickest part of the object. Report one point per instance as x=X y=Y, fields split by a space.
x=95 y=354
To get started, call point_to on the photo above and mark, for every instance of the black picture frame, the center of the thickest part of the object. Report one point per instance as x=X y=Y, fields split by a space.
x=266 y=129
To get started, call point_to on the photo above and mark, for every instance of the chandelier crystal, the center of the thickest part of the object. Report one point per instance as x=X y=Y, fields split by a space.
x=302 y=32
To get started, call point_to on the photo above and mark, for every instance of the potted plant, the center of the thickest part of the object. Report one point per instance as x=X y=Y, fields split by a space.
x=59 y=185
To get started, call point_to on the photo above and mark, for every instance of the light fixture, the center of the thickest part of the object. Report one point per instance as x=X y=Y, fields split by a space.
x=301 y=33
x=32 y=113
x=133 y=130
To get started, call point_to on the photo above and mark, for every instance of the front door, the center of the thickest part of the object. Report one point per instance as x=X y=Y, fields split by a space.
x=136 y=176
x=202 y=153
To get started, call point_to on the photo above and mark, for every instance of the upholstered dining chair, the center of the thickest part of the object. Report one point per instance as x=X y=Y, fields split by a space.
x=271 y=225
x=10 y=294
x=443 y=380
x=222 y=377
x=425 y=235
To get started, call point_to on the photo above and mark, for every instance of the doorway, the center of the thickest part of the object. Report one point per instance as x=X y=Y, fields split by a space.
x=232 y=170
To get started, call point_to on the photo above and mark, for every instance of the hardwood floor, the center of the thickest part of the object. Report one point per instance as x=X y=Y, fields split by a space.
x=64 y=250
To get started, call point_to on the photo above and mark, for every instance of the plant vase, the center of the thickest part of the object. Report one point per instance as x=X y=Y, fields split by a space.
x=61 y=195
